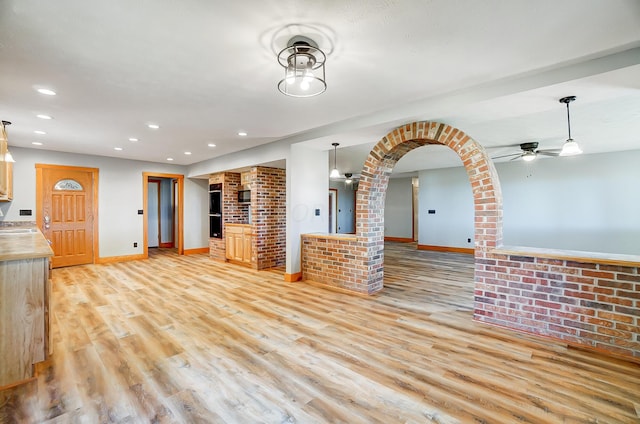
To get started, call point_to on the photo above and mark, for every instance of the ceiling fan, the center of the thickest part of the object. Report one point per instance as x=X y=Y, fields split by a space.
x=529 y=151
x=348 y=178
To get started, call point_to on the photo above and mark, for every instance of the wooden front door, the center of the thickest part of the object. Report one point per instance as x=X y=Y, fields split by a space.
x=65 y=212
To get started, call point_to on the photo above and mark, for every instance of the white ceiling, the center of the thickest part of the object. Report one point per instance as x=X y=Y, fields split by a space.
x=206 y=69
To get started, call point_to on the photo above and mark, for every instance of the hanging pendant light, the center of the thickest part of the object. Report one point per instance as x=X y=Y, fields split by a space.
x=8 y=157
x=334 y=172
x=303 y=64
x=570 y=147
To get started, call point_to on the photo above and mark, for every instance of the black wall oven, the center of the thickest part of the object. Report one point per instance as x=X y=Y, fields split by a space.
x=215 y=210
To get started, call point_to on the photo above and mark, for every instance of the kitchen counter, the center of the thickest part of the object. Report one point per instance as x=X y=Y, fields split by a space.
x=23 y=243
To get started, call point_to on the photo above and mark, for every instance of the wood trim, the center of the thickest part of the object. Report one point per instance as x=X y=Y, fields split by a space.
x=180 y=209
x=449 y=249
x=335 y=211
x=291 y=278
x=18 y=383
x=196 y=251
x=125 y=258
x=95 y=172
x=75 y=168
x=399 y=239
x=166 y=245
x=158 y=212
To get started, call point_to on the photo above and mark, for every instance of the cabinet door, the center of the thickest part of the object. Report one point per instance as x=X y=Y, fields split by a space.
x=230 y=241
x=238 y=250
x=247 y=248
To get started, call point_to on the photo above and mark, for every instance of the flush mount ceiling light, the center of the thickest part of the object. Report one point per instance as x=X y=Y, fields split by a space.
x=303 y=64
x=334 y=172
x=153 y=126
x=570 y=147
x=41 y=116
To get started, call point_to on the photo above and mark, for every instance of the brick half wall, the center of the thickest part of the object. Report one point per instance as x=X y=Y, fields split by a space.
x=582 y=301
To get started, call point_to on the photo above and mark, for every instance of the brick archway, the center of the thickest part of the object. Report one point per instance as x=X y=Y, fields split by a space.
x=487 y=196
x=356 y=262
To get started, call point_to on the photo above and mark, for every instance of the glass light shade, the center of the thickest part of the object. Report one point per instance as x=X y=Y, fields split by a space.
x=334 y=173
x=528 y=156
x=303 y=64
x=8 y=157
x=570 y=148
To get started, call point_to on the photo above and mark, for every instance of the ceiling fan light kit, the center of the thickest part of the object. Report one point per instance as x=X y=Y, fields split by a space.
x=303 y=64
x=570 y=147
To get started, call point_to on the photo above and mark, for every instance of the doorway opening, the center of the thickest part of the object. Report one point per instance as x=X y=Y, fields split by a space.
x=163 y=206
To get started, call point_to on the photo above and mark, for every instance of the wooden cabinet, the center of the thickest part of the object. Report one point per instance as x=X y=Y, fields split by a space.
x=6 y=168
x=245 y=180
x=238 y=240
x=24 y=317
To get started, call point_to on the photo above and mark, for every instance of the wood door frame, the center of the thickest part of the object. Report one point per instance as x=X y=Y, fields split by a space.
x=333 y=208
x=94 y=201
x=145 y=202
x=159 y=215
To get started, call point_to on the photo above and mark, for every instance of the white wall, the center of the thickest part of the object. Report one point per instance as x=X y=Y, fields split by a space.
x=588 y=202
x=448 y=192
x=398 y=210
x=120 y=196
x=307 y=190
x=346 y=207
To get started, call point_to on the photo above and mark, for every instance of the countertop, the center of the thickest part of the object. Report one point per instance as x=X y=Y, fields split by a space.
x=23 y=243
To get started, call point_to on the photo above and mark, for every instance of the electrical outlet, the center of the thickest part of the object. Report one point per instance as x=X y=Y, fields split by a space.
x=135 y=244
x=468 y=240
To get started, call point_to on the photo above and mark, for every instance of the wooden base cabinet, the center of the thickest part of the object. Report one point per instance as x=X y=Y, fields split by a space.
x=24 y=314
x=238 y=240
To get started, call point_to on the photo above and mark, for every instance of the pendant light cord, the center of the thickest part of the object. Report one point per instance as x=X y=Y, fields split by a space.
x=568 y=121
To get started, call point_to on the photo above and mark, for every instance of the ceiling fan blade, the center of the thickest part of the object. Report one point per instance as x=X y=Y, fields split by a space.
x=508 y=156
x=516 y=158
x=548 y=152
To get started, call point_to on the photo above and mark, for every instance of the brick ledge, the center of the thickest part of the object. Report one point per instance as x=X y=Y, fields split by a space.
x=332 y=236
x=572 y=255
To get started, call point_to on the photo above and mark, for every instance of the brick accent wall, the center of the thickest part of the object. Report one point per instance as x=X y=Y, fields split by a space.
x=232 y=212
x=367 y=253
x=589 y=302
x=269 y=216
x=581 y=301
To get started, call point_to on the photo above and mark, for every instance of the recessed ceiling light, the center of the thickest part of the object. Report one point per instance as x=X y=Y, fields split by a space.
x=153 y=126
x=211 y=145
x=36 y=143
x=117 y=148
x=187 y=153
x=242 y=134
x=44 y=116
x=169 y=159
x=39 y=132
x=46 y=92
x=133 y=139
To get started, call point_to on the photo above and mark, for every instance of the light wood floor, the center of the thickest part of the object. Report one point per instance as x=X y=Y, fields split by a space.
x=186 y=339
